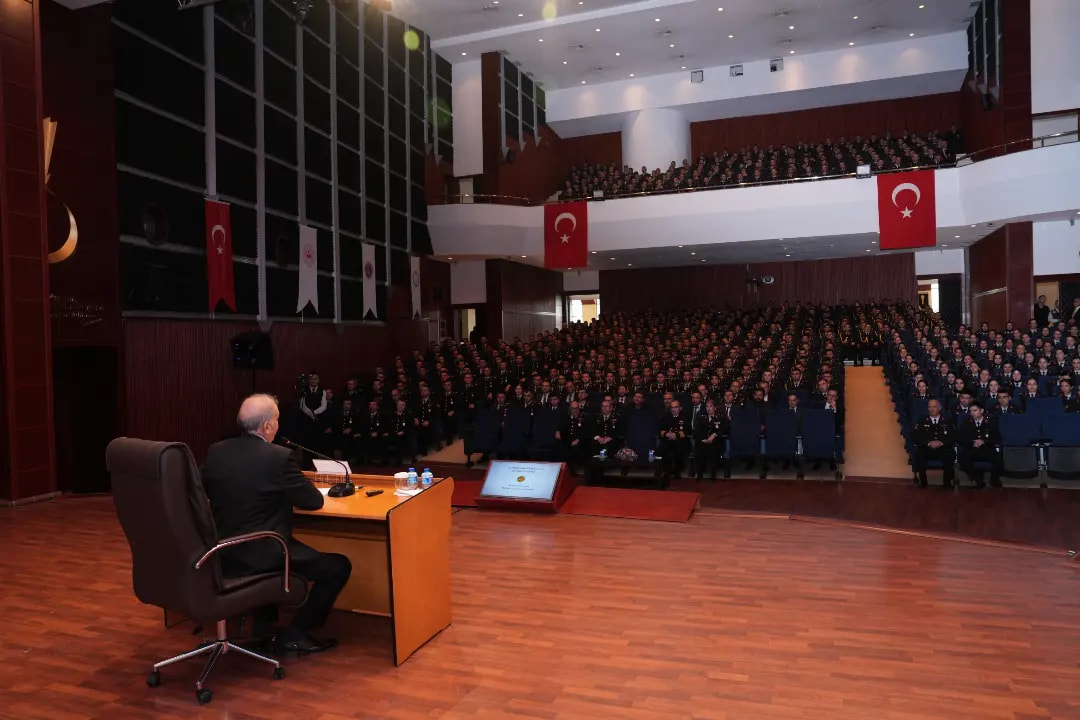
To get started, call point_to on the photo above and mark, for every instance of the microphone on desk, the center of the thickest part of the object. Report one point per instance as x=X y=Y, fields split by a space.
x=341 y=489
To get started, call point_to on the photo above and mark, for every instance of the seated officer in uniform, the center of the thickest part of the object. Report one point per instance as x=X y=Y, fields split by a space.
x=978 y=441
x=935 y=439
x=675 y=433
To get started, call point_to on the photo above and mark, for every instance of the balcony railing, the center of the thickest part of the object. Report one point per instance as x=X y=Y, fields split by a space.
x=964 y=159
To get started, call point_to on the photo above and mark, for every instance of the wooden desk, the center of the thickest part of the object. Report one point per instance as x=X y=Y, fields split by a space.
x=400 y=553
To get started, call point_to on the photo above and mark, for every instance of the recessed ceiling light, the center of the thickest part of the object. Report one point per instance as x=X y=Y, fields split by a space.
x=464 y=54
x=944 y=245
x=684 y=67
x=730 y=37
x=867 y=249
x=657 y=19
x=850 y=44
x=494 y=2
x=521 y=14
x=790 y=27
x=911 y=34
x=631 y=74
x=693 y=253
x=671 y=45
x=563 y=62
x=1076 y=213
x=593 y=252
x=873 y=242
x=540 y=39
x=854 y=17
x=597 y=29
x=921 y=7
x=618 y=54
x=449 y=258
x=680 y=246
x=956 y=236
x=791 y=52
x=524 y=256
x=788 y=255
x=582 y=82
x=581 y=2
x=629 y=264
x=612 y=258
x=719 y=9
x=702 y=259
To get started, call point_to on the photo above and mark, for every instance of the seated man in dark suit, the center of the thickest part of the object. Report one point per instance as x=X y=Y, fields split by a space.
x=935 y=439
x=978 y=440
x=254 y=485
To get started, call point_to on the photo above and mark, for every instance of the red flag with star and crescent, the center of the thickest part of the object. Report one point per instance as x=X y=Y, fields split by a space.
x=907 y=211
x=219 y=257
x=566 y=235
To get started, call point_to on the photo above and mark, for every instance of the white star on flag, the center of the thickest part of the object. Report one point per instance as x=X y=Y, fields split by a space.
x=906 y=212
x=565 y=239
x=220 y=250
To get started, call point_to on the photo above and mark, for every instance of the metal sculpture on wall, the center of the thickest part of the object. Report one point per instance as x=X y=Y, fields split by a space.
x=67 y=249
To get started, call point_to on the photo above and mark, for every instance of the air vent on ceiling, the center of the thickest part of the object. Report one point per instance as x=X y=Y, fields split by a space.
x=736 y=71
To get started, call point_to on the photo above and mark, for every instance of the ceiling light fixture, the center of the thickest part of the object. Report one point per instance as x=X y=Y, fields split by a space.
x=719 y=9
x=790 y=27
x=956 y=236
x=582 y=82
x=618 y=54
x=702 y=259
x=464 y=54
x=521 y=14
x=854 y=17
x=593 y=252
x=631 y=74
x=657 y=20
x=684 y=67
x=671 y=45
x=693 y=253
x=921 y=7
x=540 y=39
x=597 y=29
x=612 y=258
x=791 y=52
x=524 y=256
x=867 y=249
x=564 y=62
x=911 y=34
x=788 y=255
x=629 y=264
x=730 y=37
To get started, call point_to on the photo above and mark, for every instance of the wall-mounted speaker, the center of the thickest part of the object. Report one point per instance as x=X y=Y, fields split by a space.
x=253 y=351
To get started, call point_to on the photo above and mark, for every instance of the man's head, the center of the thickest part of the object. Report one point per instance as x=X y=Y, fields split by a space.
x=605 y=407
x=976 y=411
x=259 y=416
x=934 y=408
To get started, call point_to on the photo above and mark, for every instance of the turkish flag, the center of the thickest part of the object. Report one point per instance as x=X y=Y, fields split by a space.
x=219 y=260
x=566 y=235
x=907 y=211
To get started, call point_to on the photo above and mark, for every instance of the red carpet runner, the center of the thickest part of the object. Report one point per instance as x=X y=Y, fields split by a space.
x=666 y=505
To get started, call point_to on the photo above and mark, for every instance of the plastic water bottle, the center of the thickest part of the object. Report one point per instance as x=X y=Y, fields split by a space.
x=426 y=479
x=652 y=456
x=413 y=484
x=603 y=454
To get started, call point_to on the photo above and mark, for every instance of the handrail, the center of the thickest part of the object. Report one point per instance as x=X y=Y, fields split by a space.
x=964 y=159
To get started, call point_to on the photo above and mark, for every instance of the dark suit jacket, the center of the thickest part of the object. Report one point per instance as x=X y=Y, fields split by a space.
x=253 y=485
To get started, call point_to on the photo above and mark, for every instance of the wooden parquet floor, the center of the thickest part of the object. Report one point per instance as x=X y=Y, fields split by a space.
x=721 y=618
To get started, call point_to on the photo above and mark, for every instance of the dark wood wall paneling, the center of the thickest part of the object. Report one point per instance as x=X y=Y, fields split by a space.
x=521 y=299
x=916 y=114
x=181 y=384
x=1002 y=285
x=723 y=286
x=1009 y=119
x=27 y=468
x=491 y=123
x=86 y=337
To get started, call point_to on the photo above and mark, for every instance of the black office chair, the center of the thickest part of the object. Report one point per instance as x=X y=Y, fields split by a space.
x=166 y=517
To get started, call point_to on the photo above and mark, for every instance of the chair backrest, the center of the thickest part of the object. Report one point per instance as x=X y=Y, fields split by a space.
x=166 y=517
x=780 y=433
x=485 y=433
x=546 y=423
x=642 y=432
x=919 y=409
x=516 y=428
x=745 y=432
x=1044 y=406
x=1062 y=430
x=819 y=433
x=1019 y=430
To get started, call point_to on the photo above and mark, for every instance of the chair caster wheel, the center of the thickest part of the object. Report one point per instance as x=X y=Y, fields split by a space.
x=153 y=679
x=204 y=696
x=279 y=672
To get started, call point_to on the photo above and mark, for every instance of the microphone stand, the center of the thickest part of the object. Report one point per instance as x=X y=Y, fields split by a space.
x=341 y=489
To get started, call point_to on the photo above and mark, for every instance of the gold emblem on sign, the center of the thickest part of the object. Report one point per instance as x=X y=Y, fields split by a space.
x=66 y=250
x=521 y=478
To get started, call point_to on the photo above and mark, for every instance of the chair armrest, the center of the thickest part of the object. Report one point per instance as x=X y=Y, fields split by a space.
x=248 y=537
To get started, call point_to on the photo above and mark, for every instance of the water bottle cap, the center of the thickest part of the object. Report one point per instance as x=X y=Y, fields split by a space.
x=412 y=469
x=427 y=469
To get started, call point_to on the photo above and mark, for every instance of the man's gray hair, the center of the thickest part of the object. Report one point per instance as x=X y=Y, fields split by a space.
x=255 y=411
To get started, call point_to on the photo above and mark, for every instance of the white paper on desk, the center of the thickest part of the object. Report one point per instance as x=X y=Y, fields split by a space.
x=331 y=467
x=324 y=491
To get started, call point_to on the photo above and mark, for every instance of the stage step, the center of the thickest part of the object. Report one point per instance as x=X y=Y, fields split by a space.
x=873 y=444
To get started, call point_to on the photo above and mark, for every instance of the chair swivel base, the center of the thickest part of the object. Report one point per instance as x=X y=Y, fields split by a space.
x=215 y=649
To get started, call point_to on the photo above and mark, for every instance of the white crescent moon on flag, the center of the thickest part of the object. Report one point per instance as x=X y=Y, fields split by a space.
x=213 y=234
x=907 y=186
x=564 y=216
x=68 y=248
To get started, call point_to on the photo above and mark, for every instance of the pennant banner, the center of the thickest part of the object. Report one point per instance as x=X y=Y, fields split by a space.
x=566 y=235
x=309 y=269
x=367 y=255
x=414 y=279
x=907 y=210
x=219 y=256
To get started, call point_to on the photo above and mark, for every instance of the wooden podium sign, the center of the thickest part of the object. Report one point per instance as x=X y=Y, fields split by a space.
x=526 y=486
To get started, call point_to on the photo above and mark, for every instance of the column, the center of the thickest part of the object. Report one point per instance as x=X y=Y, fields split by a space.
x=654 y=138
x=1002 y=291
x=26 y=428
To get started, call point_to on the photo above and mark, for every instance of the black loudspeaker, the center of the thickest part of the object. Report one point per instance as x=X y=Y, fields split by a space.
x=253 y=351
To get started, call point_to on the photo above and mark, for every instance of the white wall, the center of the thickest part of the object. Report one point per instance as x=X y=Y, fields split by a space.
x=1056 y=248
x=1055 y=55
x=1053 y=124
x=581 y=281
x=653 y=138
x=468 y=129
x=939 y=262
x=468 y=282
x=919 y=66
